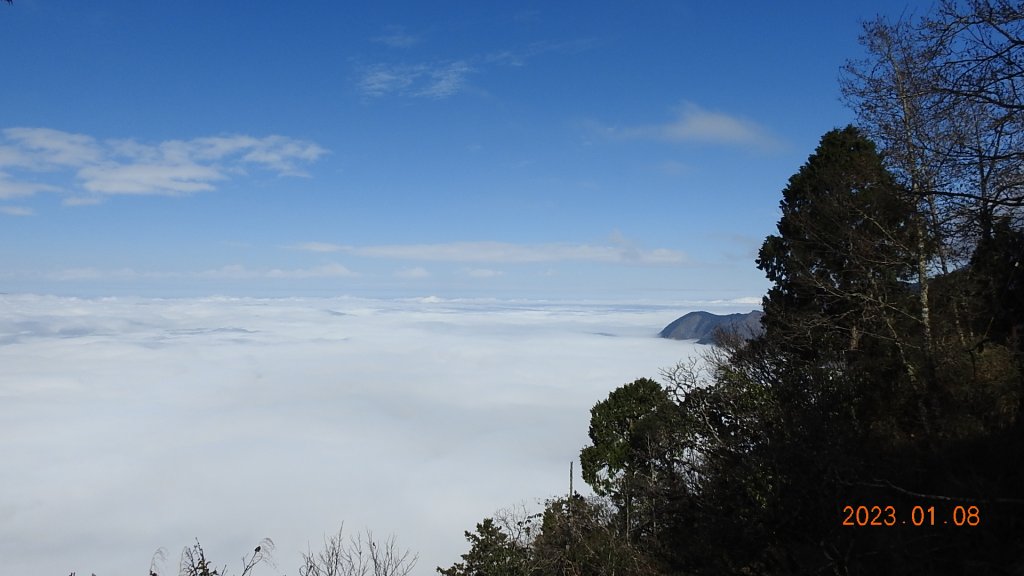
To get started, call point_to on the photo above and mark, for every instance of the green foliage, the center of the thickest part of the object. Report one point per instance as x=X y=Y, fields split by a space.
x=627 y=434
x=574 y=535
x=638 y=460
x=492 y=553
x=845 y=249
x=997 y=287
x=580 y=536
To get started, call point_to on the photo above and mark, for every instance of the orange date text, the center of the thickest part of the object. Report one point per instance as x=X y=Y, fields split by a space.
x=914 y=516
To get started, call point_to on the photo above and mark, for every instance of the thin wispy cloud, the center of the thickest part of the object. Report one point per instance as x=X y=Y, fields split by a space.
x=483 y=273
x=16 y=211
x=101 y=168
x=502 y=252
x=10 y=188
x=521 y=56
x=424 y=80
x=82 y=201
x=228 y=272
x=742 y=301
x=41 y=148
x=694 y=124
x=443 y=78
x=319 y=247
x=413 y=273
x=239 y=272
x=673 y=167
x=333 y=270
x=445 y=81
x=396 y=37
x=90 y=273
x=381 y=79
x=76 y=274
x=160 y=179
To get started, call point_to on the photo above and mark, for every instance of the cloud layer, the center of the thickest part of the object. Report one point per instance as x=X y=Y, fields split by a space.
x=503 y=252
x=133 y=424
x=102 y=168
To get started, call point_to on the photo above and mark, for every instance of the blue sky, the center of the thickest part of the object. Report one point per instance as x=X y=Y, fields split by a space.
x=591 y=149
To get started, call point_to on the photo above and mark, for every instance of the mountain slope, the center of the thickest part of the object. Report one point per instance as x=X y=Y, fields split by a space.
x=702 y=326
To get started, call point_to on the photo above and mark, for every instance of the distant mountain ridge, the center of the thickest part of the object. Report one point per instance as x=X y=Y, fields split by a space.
x=702 y=326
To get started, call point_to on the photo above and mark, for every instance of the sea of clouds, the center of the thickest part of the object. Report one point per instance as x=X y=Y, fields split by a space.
x=128 y=425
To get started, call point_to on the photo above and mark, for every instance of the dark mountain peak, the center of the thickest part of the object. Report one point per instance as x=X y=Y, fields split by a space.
x=702 y=326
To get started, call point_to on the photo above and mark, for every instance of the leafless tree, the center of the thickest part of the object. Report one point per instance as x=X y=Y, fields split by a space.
x=358 y=555
x=194 y=562
x=943 y=96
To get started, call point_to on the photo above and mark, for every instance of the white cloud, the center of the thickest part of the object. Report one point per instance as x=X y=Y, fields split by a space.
x=333 y=270
x=82 y=200
x=239 y=272
x=698 y=125
x=170 y=168
x=90 y=273
x=754 y=301
x=383 y=79
x=415 y=272
x=168 y=180
x=19 y=189
x=506 y=58
x=674 y=167
x=502 y=252
x=435 y=80
x=417 y=418
x=283 y=154
x=229 y=272
x=216 y=147
x=45 y=146
x=12 y=156
x=483 y=273
x=16 y=211
x=442 y=79
x=520 y=56
x=396 y=37
x=445 y=81
x=319 y=247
